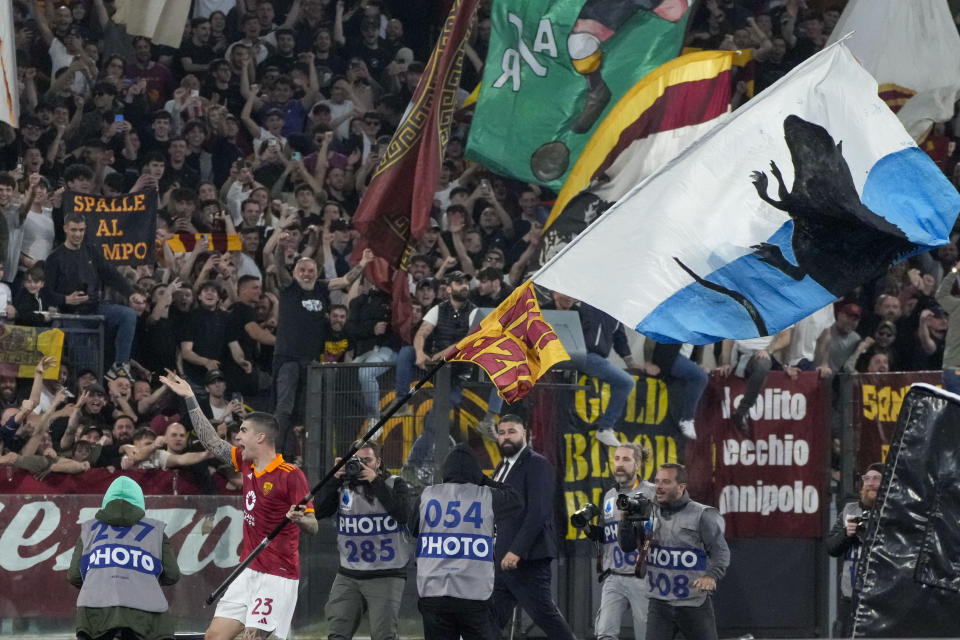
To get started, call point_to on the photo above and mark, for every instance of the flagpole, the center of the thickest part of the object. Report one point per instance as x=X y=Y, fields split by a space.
x=329 y=475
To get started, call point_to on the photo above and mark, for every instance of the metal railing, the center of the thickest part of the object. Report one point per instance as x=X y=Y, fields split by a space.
x=83 y=343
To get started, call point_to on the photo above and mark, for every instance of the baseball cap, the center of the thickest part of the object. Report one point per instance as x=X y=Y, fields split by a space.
x=30 y=120
x=851 y=309
x=886 y=324
x=456 y=276
x=92 y=429
x=213 y=376
x=404 y=55
x=95 y=388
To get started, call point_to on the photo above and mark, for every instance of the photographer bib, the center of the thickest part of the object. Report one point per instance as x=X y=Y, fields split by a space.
x=615 y=559
x=677 y=556
x=368 y=538
x=455 y=545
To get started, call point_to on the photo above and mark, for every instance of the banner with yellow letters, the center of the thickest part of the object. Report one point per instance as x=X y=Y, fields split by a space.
x=124 y=227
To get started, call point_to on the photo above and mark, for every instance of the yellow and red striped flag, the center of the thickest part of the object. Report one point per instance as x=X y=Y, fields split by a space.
x=223 y=242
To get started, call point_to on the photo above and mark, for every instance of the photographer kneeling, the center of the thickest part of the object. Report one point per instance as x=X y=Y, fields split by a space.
x=621 y=588
x=846 y=540
x=683 y=556
x=371 y=509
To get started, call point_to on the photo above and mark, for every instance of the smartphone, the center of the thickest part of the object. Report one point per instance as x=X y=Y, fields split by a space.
x=195 y=93
x=236 y=395
x=118 y=117
x=296 y=157
x=82 y=287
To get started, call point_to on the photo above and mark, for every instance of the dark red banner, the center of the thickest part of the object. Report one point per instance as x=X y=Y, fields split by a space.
x=876 y=404
x=38 y=533
x=152 y=481
x=773 y=482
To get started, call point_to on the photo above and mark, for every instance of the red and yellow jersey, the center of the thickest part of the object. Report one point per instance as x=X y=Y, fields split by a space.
x=267 y=496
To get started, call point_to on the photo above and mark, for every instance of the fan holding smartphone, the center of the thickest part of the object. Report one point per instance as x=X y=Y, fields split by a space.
x=76 y=272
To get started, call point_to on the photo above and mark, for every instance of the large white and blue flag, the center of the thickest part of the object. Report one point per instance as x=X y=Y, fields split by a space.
x=807 y=191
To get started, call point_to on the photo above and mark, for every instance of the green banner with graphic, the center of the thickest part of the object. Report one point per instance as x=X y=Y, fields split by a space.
x=554 y=69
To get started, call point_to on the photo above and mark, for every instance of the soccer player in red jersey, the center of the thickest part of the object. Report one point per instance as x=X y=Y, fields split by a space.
x=262 y=599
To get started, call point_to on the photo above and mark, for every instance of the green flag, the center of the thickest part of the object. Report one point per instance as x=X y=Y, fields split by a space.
x=554 y=68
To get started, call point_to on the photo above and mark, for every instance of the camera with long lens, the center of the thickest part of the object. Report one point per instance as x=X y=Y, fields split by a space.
x=582 y=518
x=353 y=469
x=635 y=506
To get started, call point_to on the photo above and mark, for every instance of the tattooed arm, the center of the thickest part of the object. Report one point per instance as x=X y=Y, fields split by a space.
x=347 y=279
x=220 y=449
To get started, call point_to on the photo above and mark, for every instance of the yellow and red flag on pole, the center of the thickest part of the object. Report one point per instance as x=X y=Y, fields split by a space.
x=515 y=345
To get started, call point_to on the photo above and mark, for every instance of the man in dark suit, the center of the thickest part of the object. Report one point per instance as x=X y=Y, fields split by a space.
x=527 y=542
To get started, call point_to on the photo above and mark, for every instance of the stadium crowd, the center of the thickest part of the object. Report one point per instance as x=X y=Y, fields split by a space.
x=268 y=123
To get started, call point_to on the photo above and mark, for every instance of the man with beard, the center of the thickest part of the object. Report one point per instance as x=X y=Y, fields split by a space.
x=338 y=347
x=621 y=588
x=680 y=590
x=844 y=540
x=526 y=543
x=443 y=326
x=123 y=428
x=8 y=393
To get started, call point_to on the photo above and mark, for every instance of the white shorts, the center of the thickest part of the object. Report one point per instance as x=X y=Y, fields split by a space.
x=261 y=601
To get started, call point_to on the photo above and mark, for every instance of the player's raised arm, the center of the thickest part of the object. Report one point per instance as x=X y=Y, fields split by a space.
x=221 y=449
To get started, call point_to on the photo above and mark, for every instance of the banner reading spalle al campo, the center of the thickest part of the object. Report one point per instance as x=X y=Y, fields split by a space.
x=124 y=227
x=554 y=68
x=772 y=482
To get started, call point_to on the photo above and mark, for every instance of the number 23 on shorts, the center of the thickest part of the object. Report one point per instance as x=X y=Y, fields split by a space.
x=262 y=606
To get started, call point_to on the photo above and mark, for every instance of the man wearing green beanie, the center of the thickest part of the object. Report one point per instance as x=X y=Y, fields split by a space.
x=119 y=563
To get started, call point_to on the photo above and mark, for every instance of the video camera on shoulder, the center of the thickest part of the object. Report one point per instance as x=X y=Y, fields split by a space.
x=635 y=506
x=581 y=519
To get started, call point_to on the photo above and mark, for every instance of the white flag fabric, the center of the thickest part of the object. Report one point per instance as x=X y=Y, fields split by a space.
x=9 y=83
x=808 y=190
x=912 y=48
x=160 y=20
